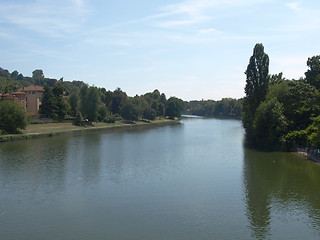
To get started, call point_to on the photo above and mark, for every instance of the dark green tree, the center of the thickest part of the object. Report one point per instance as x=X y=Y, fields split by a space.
x=269 y=125
x=118 y=99
x=129 y=111
x=149 y=113
x=53 y=103
x=174 y=107
x=74 y=101
x=78 y=120
x=90 y=102
x=49 y=104
x=93 y=104
x=38 y=77
x=163 y=99
x=256 y=88
x=12 y=117
x=313 y=73
x=301 y=104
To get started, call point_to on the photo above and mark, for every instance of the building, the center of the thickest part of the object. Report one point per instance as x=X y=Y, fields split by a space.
x=33 y=98
x=28 y=97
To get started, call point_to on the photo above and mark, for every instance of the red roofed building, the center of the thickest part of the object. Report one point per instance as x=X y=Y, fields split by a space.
x=28 y=97
x=33 y=98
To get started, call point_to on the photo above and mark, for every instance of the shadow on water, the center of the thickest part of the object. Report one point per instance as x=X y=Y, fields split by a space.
x=278 y=185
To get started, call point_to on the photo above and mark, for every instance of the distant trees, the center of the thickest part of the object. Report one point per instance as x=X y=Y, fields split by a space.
x=12 y=117
x=76 y=99
x=226 y=107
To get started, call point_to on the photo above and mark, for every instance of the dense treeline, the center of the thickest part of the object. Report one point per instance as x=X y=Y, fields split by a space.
x=227 y=107
x=277 y=112
x=80 y=101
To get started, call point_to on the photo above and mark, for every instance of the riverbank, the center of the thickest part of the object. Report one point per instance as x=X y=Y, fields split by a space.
x=58 y=129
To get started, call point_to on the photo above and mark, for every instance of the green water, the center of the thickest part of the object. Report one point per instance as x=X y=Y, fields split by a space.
x=188 y=181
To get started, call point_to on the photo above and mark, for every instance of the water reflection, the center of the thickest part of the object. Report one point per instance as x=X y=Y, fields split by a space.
x=277 y=185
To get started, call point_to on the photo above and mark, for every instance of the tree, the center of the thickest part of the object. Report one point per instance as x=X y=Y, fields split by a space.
x=12 y=117
x=93 y=104
x=129 y=111
x=163 y=98
x=74 y=101
x=48 y=105
x=313 y=73
x=256 y=88
x=78 y=120
x=38 y=73
x=90 y=101
x=38 y=76
x=269 y=125
x=301 y=104
x=53 y=103
x=174 y=107
x=14 y=74
x=102 y=112
x=118 y=99
x=149 y=113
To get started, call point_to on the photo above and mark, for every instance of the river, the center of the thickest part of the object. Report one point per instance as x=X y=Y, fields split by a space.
x=194 y=180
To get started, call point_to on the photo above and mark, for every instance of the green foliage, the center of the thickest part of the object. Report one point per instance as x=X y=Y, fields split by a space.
x=118 y=99
x=38 y=77
x=129 y=111
x=110 y=119
x=74 y=102
x=290 y=112
x=12 y=117
x=226 y=107
x=309 y=136
x=54 y=104
x=269 y=125
x=48 y=105
x=102 y=112
x=174 y=107
x=256 y=88
x=149 y=113
x=78 y=120
x=301 y=104
x=90 y=102
x=313 y=73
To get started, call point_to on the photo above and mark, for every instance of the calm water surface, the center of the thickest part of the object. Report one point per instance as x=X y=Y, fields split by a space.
x=188 y=181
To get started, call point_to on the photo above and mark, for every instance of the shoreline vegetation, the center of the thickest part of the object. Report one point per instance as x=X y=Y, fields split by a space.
x=281 y=114
x=67 y=128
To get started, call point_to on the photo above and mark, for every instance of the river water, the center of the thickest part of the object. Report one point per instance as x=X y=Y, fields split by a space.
x=194 y=180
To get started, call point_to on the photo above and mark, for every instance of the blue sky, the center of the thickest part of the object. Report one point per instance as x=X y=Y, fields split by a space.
x=191 y=49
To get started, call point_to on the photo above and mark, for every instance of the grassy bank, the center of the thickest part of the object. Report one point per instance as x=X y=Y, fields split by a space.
x=56 y=129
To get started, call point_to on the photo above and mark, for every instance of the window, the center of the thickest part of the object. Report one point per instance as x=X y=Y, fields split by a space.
x=32 y=92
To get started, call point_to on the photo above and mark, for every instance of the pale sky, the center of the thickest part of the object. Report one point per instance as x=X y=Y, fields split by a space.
x=191 y=49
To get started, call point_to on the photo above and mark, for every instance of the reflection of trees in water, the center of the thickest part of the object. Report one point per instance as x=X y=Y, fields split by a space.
x=279 y=180
x=35 y=165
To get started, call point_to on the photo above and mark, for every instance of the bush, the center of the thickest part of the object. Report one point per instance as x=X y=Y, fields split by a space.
x=110 y=119
x=78 y=120
x=12 y=117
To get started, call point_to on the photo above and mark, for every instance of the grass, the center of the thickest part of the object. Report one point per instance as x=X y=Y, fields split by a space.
x=64 y=128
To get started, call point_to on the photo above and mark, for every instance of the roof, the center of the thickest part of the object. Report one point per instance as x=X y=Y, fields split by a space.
x=33 y=88
x=18 y=93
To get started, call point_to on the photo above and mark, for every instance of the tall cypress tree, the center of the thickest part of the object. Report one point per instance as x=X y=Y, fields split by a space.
x=257 y=83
